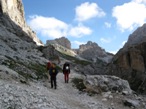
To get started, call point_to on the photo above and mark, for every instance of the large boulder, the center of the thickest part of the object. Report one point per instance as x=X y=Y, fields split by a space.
x=105 y=83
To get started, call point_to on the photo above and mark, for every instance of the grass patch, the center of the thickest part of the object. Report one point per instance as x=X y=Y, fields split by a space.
x=38 y=69
x=74 y=59
x=78 y=83
x=25 y=75
x=11 y=63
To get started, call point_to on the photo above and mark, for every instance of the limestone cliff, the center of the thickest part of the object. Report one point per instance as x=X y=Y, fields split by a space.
x=60 y=41
x=130 y=62
x=62 y=44
x=15 y=11
x=18 y=43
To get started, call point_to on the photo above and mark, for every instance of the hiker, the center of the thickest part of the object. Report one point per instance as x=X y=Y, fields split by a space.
x=66 y=71
x=48 y=68
x=53 y=73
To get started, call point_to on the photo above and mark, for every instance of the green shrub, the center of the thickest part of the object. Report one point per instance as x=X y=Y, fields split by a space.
x=78 y=83
x=40 y=70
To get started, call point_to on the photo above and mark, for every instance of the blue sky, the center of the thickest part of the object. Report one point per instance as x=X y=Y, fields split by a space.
x=106 y=22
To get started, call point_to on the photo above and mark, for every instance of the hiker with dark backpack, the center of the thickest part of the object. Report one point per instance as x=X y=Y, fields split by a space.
x=66 y=72
x=53 y=73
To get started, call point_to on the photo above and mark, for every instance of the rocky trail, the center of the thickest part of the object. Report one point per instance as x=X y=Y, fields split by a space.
x=39 y=95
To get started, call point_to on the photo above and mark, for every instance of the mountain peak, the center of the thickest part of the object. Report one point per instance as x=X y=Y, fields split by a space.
x=64 y=42
x=137 y=37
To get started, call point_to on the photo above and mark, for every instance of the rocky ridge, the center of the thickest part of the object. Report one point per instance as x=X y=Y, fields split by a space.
x=137 y=37
x=92 y=51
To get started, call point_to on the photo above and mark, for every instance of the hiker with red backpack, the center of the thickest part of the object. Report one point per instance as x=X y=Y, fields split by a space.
x=66 y=71
x=49 y=64
x=53 y=73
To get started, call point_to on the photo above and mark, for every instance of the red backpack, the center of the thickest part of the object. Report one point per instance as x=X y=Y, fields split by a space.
x=48 y=65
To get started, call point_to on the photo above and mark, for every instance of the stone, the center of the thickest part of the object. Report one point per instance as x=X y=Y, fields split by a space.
x=99 y=82
x=104 y=99
x=131 y=103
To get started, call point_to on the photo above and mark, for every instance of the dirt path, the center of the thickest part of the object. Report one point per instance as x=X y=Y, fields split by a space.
x=68 y=94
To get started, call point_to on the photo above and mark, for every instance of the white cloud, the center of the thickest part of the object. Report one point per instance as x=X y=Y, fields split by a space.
x=130 y=15
x=139 y=1
x=48 y=26
x=113 y=52
x=87 y=11
x=108 y=25
x=105 y=40
x=54 y=28
x=79 y=31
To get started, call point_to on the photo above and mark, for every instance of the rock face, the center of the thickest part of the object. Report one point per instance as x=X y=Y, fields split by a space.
x=61 y=41
x=62 y=44
x=137 y=37
x=18 y=49
x=15 y=11
x=92 y=51
x=130 y=62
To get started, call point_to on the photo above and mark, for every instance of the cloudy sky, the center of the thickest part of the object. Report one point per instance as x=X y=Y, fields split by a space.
x=106 y=22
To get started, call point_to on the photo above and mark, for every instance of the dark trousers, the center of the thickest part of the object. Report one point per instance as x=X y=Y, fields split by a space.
x=53 y=82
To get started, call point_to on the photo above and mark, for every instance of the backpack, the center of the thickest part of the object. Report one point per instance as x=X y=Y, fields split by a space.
x=66 y=67
x=53 y=71
x=48 y=65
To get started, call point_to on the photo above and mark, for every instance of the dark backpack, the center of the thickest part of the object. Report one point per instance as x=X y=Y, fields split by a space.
x=53 y=71
x=66 y=67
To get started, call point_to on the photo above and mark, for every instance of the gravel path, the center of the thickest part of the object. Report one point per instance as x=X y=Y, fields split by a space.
x=39 y=95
